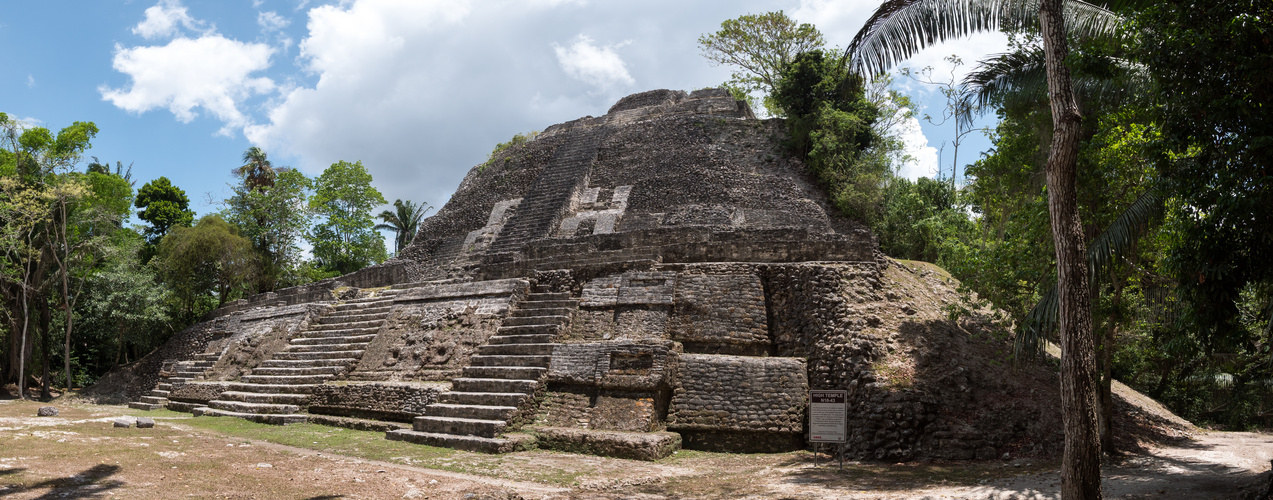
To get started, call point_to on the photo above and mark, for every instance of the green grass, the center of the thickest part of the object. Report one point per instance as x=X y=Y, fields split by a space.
x=362 y=444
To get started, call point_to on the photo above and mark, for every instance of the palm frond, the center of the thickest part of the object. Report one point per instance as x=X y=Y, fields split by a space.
x=900 y=28
x=1116 y=240
x=1021 y=77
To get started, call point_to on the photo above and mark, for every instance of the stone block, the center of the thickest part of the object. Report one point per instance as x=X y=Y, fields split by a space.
x=145 y=423
x=47 y=411
x=629 y=445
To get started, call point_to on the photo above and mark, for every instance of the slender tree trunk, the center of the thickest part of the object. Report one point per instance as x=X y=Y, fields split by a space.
x=46 y=380
x=1107 y=370
x=22 y=352
x=1081 y=462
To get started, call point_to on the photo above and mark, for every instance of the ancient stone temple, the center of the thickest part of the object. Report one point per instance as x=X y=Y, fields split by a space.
x=662 y=276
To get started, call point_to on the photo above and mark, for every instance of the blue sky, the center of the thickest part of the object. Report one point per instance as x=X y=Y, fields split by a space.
x=418 y=90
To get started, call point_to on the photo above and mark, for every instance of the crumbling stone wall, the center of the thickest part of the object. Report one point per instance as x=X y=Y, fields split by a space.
x=739 y=403
x=719 y=311
x=432 y=331
x=397 y=402
x=253 y=336
x=621 y=386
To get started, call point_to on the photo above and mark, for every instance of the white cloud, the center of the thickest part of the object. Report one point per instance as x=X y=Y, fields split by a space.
x=163 y=19
x=600 y=67
x=211 y=72
x=30 y=81
x=271 y=21
x=923 y=161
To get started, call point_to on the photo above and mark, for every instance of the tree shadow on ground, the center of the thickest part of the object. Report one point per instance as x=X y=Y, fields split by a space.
x=91 y=483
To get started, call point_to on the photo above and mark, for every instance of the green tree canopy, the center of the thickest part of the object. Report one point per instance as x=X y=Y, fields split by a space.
x=832 y=128
x=346 y=240
x=209 y=259
x=760 y=46
x=274 y=218
x=163 y=206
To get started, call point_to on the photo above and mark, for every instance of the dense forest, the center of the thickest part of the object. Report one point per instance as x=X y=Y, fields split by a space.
x=83 y=293
x=1174 y=183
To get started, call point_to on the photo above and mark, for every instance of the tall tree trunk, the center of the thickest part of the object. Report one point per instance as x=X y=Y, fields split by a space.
x=1081 y=461
x=23 y=355
x=46 y=380
x=1107 y=370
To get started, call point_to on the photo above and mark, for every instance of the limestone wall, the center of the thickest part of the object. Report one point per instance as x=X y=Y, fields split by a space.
x=432 y=330
x=399 y=402
x=739 y=393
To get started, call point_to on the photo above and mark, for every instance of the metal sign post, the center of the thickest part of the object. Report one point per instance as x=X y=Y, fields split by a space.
x=828 y=420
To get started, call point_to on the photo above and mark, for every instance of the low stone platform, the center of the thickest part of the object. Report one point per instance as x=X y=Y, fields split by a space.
x=631 y=445
x=509 y=443
x=262 y=418
x=358 y=424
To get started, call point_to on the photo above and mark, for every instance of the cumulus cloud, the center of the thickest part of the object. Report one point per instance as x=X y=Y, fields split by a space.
x=922 y=159
x=271 y=21
x=210 y=72
x=163 y=19
x=599 y=66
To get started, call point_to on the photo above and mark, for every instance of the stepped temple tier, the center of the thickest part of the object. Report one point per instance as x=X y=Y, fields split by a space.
x=663 y=276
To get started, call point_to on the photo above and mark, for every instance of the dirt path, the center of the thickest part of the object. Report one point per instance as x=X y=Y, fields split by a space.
x=80 y=455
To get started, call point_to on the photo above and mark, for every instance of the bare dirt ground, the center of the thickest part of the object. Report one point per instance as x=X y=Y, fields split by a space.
x=79 y=454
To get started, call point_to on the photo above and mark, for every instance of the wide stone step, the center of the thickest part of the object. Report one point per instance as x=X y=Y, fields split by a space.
x=138 y=405
x=285 y=379
x=542 y=296
x=482 y=398
x=568 y=303
x=358 y=346
x=521 y=339
x=504 y=372
x=268 y=398
x=154 y=400
x=376 y=305
x=184 y=406
x=163 y=386
x=516 y=349
x=190 y=374
x=348 y=317
x=347 y=325
x=508 y=444
x=461 y=426
x=313 y=334
x=352 y=339
x=528 y=330
x=506 y=360
x=312 y=370
x=467 y=384
x=179 y=380
x=264 y=418
x=313 y=355
x=271 y=388
x=536 y=320
x=478 y=412
x=523 y=312
x=204 y=364
x=157 y=392
x=307 y=363
x=258 y=408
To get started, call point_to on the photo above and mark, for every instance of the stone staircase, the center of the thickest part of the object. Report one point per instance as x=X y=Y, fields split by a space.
x=183 y=371
x=498 y=389
x=550 y=195
x=275 y=391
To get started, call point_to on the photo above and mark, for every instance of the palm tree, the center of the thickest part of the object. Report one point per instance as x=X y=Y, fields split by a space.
x=257 y=171
x=404 y=221
x=899 y=29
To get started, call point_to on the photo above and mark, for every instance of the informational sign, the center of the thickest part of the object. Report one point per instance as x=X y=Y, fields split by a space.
x=828 y=416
